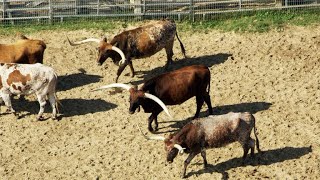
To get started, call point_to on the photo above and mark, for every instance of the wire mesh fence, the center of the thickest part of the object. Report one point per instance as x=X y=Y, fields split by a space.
x=51 y=11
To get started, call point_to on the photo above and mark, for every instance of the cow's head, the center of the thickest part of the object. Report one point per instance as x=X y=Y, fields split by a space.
x=135 y=97
x=171 y=146
x=105 y=49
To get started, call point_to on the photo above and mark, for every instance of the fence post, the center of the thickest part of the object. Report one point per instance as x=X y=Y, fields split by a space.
x=191 y=11
x=137 y=6
x=50 y=12
x=240 y=4
x=98 y=7
x=278 y=3
x=4 y=9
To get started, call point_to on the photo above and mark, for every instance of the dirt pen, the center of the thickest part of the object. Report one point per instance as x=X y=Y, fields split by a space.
x=273 y=75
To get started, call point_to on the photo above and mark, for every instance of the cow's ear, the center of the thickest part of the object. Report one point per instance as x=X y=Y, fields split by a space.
x=104 y=39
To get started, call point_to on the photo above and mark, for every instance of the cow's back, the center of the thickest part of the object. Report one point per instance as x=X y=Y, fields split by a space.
x=223 y=129
x=146 y=40
x=25 y=78
x=24 y=51
x=180 y=85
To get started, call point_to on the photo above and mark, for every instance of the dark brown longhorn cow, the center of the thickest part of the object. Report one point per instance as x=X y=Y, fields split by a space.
x=171 y=88
x=137 y=43
x=210 y=132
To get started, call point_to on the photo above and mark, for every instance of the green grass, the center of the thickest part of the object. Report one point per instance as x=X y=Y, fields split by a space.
x=259 y=21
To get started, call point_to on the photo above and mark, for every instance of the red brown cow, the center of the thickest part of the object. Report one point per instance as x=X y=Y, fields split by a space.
x=24 y=51
x=171 y=88
x=24 y=79
x=210 y=132
x=138 y=43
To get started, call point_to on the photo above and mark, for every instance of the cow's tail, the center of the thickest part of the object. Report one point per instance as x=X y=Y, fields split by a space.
x=181 y=46
x=208 y=87
x=55 y=94
x=255 y=133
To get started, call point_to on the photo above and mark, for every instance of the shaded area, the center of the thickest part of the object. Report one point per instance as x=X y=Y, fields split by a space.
x=252 y=107
x=67 y=107
x=266 y=158
x=70 y=81
x=76 y=107
x=207 y=60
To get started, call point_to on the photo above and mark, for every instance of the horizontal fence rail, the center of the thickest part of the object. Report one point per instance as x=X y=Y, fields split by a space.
x=15 y=11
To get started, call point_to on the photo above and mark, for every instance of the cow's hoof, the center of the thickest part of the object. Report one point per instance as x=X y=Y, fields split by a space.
x=151 y=129
x=39 y=118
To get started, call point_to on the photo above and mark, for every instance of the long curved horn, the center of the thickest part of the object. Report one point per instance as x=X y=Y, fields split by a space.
x=181 y=149
x=151 y=137
x=123 y=58
x=83 y=41
x=157 y=100
x=114 y=85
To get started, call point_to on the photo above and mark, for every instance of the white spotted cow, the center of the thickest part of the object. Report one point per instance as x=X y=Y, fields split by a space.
x=24 y=79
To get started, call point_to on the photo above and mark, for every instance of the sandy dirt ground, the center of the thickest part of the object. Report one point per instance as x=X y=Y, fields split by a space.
x=273 y=75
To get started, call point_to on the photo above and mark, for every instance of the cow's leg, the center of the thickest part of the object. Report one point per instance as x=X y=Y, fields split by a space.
x=7 y=102
x=200 y=101
x=169 y=52
x=251 y=145
x=208 y=102
x=245 y=152
x=156 y=123
x=203 y=154
x=150 y=119
x=153 y=116
x=52 y=100
x=121 y=68
x=186 y=163
x=244 y=141
x=42 y=102
x=131 y=68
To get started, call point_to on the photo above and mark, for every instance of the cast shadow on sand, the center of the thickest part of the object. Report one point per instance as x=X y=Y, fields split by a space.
x=252 y=107
x=70 y=81
x=67 y=107
x=207 y=60
x=265 y=158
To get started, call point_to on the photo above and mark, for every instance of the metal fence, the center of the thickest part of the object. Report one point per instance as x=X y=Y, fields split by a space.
x=50 y=11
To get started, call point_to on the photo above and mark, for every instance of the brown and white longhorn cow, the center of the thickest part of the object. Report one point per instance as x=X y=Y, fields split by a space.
x=138 y=43
x=24 y=79
x=171 y=88
x=24 y=51
x=210 y=132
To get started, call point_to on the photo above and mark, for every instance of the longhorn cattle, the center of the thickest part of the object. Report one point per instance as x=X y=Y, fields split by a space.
x=24 y=51
x=138 y=43
x=171 y=88
x=210 y=132
x=27 y=79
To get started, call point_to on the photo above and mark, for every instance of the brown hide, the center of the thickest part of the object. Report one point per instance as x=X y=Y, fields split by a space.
x=180 y=85
x=0 y=82
x=24 y=51
x=16 y=77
